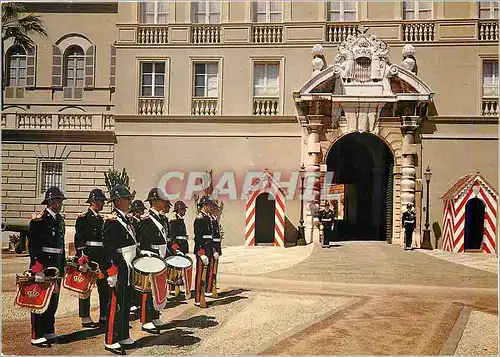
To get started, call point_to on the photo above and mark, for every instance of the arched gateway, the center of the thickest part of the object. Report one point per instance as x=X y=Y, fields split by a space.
x=359 y=117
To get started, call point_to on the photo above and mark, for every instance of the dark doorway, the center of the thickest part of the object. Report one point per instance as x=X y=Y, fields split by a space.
x=474 y=223
x=264 y=219
x=363 y=163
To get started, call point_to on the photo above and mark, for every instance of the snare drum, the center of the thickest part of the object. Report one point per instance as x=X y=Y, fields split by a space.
x=145 y=266
x=175 y=269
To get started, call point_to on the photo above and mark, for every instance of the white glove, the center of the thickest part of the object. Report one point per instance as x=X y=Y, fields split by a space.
x=84 y=267
x=147 y=252
x=204 y=259
x=112 y=280
x=39 y=277
x=216 y=256
x=178 y=252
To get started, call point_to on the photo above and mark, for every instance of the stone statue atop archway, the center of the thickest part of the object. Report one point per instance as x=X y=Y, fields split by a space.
x=362 y=59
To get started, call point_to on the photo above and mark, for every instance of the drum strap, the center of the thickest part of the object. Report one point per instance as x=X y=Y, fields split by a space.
x=160 y=227
x=127 y=227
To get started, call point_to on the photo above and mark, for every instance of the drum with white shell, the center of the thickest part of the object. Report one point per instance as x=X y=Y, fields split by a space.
x=175 y=269
x=145 y=266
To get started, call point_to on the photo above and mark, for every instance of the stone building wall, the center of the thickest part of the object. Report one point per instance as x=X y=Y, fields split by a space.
x=83 y=169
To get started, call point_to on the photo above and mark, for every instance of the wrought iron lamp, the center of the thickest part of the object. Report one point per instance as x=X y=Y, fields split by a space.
x=426 y=242
x=301 y=238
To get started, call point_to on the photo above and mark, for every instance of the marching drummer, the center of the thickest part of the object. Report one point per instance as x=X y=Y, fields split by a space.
x=46 y=248
x=120 y=246
x=202 y=244
x=88 y=244
x=180 y=237
x=136 y=211
x=153 y=236
x=217 y=247
x=178 y=227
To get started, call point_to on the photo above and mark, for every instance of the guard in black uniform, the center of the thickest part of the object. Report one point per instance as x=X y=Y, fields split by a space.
x=153 y=237
x=409 y=219
x=327 y=218
x=120 y=246
x=178 y=227
x=89 y=247
x=217 y=246
x=203 y=235
x=136 y=211
x=179 y=238
x=46 y=248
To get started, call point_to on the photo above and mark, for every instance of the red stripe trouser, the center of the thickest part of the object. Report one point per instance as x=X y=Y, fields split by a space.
x=118 y=313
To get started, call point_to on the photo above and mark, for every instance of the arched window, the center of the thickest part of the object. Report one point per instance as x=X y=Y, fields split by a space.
x=16 y=67
x=74 y=67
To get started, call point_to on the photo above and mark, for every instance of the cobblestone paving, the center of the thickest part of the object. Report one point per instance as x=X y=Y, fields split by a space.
x=382 y=263
x=480 y=337
x=481 y=261
x=354 y=298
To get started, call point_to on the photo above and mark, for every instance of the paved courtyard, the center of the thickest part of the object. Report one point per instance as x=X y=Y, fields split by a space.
x=357 y=298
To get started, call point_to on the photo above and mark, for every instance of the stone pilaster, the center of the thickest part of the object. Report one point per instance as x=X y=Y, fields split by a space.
x=408 y=126
x=312 y=182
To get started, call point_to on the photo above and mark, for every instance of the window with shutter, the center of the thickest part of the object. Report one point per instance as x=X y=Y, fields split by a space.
x=112 y=67
x=74 y=72
x=31 y=68
x=56 y=67
x=90 y=67
x=16 y=67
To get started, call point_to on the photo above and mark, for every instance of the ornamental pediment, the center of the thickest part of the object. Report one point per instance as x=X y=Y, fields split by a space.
x=362 y=59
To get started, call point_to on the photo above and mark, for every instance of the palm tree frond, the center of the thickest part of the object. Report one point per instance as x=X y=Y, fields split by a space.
x=11 y=10
x=33 y=23
x=19 y=37
x=19 y=28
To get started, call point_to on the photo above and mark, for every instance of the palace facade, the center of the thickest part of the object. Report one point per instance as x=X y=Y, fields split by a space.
x=374 y=92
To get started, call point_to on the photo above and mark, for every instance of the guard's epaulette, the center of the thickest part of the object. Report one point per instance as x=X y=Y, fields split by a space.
x=200 y=215
x=145 y=216
x=37 y=216
x=111 y=217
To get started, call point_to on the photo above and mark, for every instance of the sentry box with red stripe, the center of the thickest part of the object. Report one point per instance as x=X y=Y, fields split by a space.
x=470 y=215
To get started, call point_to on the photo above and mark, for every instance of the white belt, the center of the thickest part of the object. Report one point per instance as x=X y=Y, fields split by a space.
x=158 y=246
x=126 y=249
x=326 y=219
x=52 y=250
x=207 y=237
x=409 y=221
x=94 y=244
x=161 y=248
x=182 y=237
x=217 y=240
